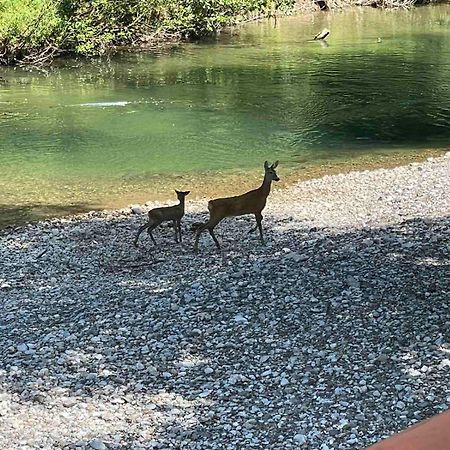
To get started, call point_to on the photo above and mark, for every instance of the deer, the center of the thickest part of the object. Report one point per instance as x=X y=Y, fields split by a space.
x=157 y=216
x=252 y=202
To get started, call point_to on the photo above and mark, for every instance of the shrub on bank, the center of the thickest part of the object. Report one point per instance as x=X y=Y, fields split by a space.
x=34 y=31
x=27 y=28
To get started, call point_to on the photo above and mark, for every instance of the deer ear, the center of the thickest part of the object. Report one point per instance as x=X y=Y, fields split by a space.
x=275 y=164
x=266 y=165
x=176 y=191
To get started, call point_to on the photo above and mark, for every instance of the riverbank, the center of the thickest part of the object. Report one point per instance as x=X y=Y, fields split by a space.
x=333 y=335
x=208 y=184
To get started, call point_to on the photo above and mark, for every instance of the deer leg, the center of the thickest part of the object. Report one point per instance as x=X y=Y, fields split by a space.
x=253 y=229
x=200 y=230
x=175 y=228
x=179 y=229
x=259 y=217
x=210 y=227
x=150 y=229
x=141 y=229
x=257 y=226
x=152 y=238
x=211 y=232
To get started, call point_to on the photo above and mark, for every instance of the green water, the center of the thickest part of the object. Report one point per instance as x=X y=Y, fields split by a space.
x=91 y=134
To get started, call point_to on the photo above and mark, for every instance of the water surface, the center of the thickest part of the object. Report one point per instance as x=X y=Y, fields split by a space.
x=204 y=116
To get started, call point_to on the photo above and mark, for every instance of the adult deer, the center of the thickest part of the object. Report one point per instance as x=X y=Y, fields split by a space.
x=252 y=202
x=157 y=216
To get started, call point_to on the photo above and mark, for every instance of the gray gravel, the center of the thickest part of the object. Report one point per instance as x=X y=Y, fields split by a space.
x=332 y=336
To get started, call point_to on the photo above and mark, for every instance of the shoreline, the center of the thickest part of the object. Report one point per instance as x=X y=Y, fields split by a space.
x=231 y=183
x=333 y=334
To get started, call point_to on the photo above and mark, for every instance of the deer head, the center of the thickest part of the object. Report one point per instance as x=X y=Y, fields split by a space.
x=270 y=171
x=182 y=194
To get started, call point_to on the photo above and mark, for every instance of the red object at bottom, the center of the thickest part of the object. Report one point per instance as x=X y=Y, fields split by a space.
x=431 y=434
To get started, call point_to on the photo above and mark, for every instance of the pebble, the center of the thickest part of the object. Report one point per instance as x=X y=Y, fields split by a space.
x=22 y=348
x=300 y=438
x=332 y=335
x=97 y=444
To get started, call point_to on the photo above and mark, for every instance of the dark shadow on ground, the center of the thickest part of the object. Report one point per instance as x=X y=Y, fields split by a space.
x=14 y=216
x=320 y=304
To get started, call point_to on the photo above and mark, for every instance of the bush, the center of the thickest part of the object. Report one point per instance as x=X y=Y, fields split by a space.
x=93 y=26
x=34 y=30
x=199 y=17
x=28 y=27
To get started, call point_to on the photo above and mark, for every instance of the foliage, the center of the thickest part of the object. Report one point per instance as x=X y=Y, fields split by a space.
x=93 y=26
x=35 y=30
x=199 y=17
x=28 y=27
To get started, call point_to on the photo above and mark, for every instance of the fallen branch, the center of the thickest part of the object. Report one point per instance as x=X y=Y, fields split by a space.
x=42 y=253
x=127 y=268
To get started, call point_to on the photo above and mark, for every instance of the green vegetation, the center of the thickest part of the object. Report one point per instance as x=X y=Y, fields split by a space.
x=29 y=28
x=34 y=31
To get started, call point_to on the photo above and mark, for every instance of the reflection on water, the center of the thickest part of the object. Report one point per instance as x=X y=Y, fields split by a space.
x=101 y=133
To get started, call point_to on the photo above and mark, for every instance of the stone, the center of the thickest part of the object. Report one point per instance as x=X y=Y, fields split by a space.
x=97 y=444
x=300 y=439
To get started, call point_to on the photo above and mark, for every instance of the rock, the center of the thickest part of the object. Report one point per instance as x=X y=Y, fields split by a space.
x=297 y=257
x=68 y=402
x=22 y=348
x=239 y=318
x=97 y=444
x=300 y=439
x=353 y=282
x=382 y=358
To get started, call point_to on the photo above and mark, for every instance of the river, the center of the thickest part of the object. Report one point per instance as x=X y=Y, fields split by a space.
x=204 y=116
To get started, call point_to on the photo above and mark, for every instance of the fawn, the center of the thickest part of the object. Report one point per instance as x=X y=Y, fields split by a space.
x=252 y=202
x=157 y=216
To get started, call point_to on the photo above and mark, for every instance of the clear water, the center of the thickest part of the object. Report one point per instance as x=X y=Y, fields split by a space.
x=105 y=133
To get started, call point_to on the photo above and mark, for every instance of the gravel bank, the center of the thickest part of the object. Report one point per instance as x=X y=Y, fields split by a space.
x=333 y=335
